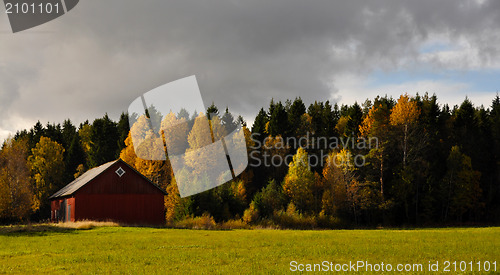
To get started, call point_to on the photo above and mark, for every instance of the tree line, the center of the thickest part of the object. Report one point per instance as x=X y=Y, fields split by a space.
x=35 y=163
x=432 y=164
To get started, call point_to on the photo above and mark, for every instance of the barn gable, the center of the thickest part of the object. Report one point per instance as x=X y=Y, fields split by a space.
x=92 y=174
x=111 y=192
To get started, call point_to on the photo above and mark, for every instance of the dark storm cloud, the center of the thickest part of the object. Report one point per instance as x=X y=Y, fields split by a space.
x=103 y=54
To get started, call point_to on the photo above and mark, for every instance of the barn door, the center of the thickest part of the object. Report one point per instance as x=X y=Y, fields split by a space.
x=62 y=211
x=65 y=211
x=68 y=210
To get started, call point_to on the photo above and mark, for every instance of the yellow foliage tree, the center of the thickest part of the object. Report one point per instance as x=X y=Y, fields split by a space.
x=147 y=159
x=175 y=131
x=84 y=132
x=128 y=154
x=47 y=166
x=404 y=114
x=299 y=181
x=305 y=126
x=200 y=135
x=199 y=154
x=172 y=200
x=16 y=192
x=341 y=125
x=340 y=196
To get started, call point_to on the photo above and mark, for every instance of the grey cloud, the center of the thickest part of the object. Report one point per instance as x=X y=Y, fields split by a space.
x=103 y=54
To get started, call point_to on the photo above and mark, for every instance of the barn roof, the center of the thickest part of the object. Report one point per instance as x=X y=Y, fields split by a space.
x=88 y=176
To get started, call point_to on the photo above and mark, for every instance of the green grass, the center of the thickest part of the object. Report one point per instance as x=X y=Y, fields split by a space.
x=150 y=250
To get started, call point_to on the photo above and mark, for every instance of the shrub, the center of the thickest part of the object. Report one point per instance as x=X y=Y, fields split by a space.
x=251 y=214
x=327 y=221
x=234 y=224
x=204 y=222
x=270 y=199
x=292 y=219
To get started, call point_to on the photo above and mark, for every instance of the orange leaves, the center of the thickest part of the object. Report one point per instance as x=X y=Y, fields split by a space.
x=405 y=112
x=367 y=124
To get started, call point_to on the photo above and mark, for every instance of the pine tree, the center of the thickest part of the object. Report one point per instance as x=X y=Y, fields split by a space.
x=461 y=185
x=259 y=125
x=295 y=112
x=355 y=118
x=228 y=121
x=315 y=110
x=103 y=145
x=278 y=121
x=75 y=156
x=68 y=133
x=123 y=129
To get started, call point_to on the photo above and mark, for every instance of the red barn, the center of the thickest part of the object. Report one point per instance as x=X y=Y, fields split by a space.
x=111 y=192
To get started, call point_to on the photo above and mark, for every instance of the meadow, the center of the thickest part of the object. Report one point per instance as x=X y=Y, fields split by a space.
x=130 y=250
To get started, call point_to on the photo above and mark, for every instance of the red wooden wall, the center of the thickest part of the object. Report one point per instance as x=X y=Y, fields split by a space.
x=129 y=199
x=139 y=209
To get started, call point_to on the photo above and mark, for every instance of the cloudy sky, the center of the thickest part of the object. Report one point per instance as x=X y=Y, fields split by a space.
x=103 y=54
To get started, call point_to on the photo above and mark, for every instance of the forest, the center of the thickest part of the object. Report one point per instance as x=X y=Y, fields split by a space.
x=409 y=161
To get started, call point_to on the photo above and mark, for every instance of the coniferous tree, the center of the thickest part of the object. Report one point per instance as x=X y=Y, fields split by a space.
x=494 y=210
x=461 y=190
x=228 y=121
x=104 y=145
x=54 y=132
x=295 y=112
x=75 y=157
x=315 y=110
x=68 y=131
x=123 y=127
x=355 y=118
x=278 y=121
x=330 y=118
x=259 y=125
x=465 y=126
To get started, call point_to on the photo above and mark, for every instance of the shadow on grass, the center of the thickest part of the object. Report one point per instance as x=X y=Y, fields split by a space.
x=34 y=230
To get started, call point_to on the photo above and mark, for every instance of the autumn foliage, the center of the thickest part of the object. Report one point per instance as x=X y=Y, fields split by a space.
x=432 y=164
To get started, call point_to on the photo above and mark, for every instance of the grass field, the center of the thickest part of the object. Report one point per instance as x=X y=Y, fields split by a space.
x=151 y=250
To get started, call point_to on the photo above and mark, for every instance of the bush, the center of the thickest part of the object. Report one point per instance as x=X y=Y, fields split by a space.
x=270 y=199
x=327 y=221
x=234 y=224
x=204 y=222
x=294 y=220
x=251 y=214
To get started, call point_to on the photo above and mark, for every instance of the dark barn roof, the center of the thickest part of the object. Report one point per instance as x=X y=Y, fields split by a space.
x=88 y=176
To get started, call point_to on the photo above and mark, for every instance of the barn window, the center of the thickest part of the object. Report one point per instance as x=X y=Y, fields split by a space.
x=120 y=172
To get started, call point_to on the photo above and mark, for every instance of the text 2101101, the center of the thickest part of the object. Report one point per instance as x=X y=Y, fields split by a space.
x=32 y=8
